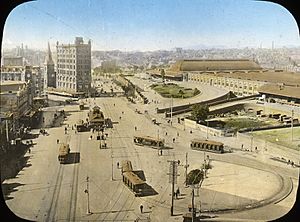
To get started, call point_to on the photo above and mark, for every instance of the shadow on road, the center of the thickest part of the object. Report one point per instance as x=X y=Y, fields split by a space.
x=8 y=188
x=73 y=158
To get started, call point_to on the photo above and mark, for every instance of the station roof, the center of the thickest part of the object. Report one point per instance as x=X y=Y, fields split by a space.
x=280 y=90
x=214 y=65
x=271 y=76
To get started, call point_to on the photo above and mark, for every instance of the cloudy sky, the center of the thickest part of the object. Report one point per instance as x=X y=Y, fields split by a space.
x=151 y=24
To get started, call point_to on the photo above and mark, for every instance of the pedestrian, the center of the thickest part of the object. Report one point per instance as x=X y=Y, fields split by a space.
x=91 y=137
x=175 y=194
x=57 y=141
x=178 y=191
x=141 y=208
x=118 y=165
x=242 y=146
x=135 y=128
x=161 y=152
x=191 y=131
x=177 y=133
x=173 y=140
x=29 y=150
x=166 y=133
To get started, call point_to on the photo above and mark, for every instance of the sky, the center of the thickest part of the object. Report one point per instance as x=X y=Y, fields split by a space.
x=148 y=25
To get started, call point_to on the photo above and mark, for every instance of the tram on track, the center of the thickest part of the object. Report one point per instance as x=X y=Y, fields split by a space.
x=96 y=118
x=207 y=145
x=81 y=126
x=149 y=141
x=134 y=183
x=63 y=153
x=126 y=166
x=131 y=179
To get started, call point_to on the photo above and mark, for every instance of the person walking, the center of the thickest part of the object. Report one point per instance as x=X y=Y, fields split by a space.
x=141 y=208
x=178 y=191
x=57 y=141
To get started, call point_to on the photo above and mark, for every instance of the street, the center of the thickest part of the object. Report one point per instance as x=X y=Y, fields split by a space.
x=59 y=192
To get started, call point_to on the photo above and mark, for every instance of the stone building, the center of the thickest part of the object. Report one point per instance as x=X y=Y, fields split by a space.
x=15 y=100
x=32 y=75
x=13 y=61
x=74 y=67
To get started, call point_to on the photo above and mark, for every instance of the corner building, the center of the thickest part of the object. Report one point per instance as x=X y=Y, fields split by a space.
x=74 y=67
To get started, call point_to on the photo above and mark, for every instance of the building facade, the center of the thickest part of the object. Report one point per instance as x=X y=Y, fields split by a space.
x=32 y=75
x=74 y=67
x=13 y=61
x=15 y=100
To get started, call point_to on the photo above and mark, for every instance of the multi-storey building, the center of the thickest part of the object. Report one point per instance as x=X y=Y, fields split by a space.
x=30 y=74
x=13 y=61
x=15 y=100
x=74 y=67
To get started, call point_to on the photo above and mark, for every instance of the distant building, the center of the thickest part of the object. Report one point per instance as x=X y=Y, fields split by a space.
x=49 y=71
x=74 y=67
x=13 y=61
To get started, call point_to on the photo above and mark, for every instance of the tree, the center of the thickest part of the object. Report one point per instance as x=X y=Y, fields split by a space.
x=181 y=93
x=196 y=92
x=200 y=112
x=194 y=177
x=163 y=75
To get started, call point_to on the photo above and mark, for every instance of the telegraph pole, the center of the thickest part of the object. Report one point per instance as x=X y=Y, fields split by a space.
x=193 y=212
x=88 y=198
x=171 y=109
x=173 y=179
x=292 y=125
x=186 y=167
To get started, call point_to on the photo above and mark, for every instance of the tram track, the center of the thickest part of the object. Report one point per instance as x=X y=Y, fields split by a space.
x=119 y=194
x=74 y=187
x=55 y=196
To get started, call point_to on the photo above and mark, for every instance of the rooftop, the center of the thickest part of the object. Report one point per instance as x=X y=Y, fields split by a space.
x=214 y=65
x=281 y=90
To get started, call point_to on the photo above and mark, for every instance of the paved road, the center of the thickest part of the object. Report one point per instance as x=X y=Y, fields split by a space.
x=56 y=192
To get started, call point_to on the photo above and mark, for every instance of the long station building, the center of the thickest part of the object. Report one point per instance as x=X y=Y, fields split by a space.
x=242 y=77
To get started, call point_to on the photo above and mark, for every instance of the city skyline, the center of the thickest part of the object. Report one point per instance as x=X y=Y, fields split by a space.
x=152 y=25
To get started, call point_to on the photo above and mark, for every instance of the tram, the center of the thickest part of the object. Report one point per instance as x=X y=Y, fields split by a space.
x=96 y=118
x=126 y=166
x=63 y=153
x=207 y=145
x=81 y=126
x=134 y=183
x=149 y=141
x=131 y=179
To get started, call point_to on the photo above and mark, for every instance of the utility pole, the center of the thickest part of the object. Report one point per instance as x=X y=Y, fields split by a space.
x=186 y=167
x=193 y=212
x=171 y=109
x=112 y=167
x=88 y=198
x=251 y=138
x=292 y=124
x=173 y=179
